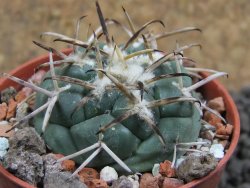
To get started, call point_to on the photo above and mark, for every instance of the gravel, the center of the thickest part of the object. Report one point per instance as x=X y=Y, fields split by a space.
x=237 y=172
x=23 y=158
x=196 y=166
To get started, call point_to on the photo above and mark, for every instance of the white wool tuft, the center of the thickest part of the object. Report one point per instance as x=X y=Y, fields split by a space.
x=157 y=55
x=101 y=86
x=132 y=73
x=139 y=60
x=144 y=59
x=141 y=106
x=145 y=112
x=146 y=76
x=108 y=49
x=136 y=44
x=81 y=62
x=88 y=61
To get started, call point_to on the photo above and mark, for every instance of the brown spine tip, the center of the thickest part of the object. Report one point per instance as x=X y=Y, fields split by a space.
x=102 y=22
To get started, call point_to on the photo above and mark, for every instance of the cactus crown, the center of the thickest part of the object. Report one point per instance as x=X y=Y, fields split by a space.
x=133 y=103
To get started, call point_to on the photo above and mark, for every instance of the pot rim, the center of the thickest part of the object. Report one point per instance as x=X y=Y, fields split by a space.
x=235 y=120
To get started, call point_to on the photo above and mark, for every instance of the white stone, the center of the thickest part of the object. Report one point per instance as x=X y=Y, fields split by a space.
x=4 y=143
x=134 y=179
x=108 y=174
x=217 y=150
x=2 y=153
x=4 y=123
x=156 y=169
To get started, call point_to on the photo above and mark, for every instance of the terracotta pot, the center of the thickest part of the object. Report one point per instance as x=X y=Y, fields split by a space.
x=210 y=90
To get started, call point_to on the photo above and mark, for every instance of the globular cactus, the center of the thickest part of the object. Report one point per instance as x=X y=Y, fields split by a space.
x=130 y=102
x=132 y=139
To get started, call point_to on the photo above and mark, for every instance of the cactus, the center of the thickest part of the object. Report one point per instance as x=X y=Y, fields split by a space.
x=131 y=102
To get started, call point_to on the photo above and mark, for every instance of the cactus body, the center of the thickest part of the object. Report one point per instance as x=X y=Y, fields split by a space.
x=132 y=140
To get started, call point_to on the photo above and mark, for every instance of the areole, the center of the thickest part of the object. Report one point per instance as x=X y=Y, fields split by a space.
x=210 y=90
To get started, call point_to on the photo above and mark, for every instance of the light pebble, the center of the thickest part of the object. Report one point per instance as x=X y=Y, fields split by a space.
x=4 y=143
x=108 y=174
x=2 y=153
x=134 y=179
x=155 y=169
x=3 y=123
x=217 y=150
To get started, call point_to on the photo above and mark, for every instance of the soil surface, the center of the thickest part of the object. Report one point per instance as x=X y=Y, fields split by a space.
x=225 y=25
